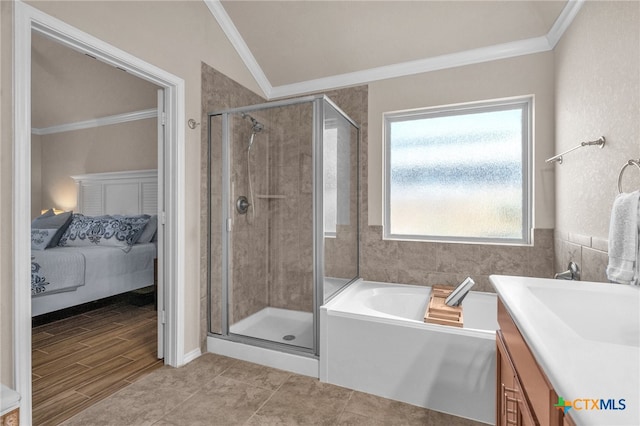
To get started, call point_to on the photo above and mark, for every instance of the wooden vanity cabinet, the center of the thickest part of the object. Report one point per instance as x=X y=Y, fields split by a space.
x=512 y=407
x=524 y=394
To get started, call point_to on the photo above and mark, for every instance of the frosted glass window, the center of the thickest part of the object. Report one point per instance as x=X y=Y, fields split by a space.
x=459 y=174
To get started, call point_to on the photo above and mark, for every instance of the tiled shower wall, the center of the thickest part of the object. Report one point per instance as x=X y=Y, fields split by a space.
x=290 y=215
x=249 y=291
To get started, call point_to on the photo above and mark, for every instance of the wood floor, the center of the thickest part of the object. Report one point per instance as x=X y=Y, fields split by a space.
x=82 y=359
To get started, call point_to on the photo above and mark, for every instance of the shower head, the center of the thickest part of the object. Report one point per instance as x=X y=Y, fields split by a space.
x=256 y=126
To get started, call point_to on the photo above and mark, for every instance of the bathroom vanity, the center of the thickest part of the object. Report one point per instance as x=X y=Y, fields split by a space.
x=568 y=352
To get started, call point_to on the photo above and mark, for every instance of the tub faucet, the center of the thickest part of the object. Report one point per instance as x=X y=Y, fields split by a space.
x=459 y=293
x=573 y=273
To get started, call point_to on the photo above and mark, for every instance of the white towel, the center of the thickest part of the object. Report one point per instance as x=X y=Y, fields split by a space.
x=623 y=239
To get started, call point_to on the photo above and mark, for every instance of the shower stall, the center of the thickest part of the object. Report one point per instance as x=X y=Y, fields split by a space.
x=283 y=222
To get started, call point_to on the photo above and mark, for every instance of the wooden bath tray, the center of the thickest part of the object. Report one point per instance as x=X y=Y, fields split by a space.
x=439 y=313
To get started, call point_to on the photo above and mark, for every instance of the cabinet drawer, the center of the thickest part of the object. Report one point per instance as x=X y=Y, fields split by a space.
x=534 y=385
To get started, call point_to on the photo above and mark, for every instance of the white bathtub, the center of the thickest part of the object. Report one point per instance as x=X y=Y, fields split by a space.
x=373 y=339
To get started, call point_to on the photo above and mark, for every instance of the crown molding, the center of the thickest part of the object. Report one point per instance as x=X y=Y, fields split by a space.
x=232 y=33
x=97 y=122
x=452 y=60
x=469 y=57
x=564 y=20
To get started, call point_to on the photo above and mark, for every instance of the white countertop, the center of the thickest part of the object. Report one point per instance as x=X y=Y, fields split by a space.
x=585 y=336
x=9 y=400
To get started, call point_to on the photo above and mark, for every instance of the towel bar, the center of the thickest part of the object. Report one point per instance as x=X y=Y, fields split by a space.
x=599 y=142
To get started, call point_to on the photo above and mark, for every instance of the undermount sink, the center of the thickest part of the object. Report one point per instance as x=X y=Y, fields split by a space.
x=583 y=310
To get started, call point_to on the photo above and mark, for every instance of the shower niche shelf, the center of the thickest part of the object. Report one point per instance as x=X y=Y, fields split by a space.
x=270 y=197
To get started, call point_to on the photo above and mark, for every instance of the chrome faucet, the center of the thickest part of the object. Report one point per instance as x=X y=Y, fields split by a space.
x=573 y=273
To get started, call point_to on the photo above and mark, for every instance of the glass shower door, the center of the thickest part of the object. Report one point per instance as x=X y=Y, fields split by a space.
x=270 y=268
x=340 y=200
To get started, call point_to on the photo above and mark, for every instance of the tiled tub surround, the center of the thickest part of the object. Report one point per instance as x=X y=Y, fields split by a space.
x=590 y=253
x=431 y=263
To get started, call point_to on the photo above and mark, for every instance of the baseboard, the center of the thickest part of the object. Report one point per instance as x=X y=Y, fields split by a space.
x=190 y=356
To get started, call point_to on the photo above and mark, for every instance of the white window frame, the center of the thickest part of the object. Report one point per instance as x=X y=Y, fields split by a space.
x=525 y=103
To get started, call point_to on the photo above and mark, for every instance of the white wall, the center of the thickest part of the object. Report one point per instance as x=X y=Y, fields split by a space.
x=524 y=75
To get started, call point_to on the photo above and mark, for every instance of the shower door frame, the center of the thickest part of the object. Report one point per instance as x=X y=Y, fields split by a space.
x=317 y=226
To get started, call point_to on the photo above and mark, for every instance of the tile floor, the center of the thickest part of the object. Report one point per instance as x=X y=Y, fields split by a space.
x=216 y=390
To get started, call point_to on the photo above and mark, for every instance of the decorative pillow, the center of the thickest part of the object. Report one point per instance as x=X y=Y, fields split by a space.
x=142 y=219
x=40 y=238
x=60 y=222
x=149 y=231
x=103 y=230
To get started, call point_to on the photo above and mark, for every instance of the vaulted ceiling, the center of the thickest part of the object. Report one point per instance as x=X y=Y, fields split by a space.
x=301 y=46
x=297 y=46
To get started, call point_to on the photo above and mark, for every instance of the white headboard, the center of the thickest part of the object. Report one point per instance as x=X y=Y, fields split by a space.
x=126 y=193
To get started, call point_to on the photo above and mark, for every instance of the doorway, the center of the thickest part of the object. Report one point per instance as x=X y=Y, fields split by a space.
x=92 y=126
x=171 y=170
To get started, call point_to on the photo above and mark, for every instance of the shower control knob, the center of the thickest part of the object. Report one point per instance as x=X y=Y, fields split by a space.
x=242 y=205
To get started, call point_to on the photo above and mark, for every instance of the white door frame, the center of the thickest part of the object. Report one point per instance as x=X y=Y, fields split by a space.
x=26 y=19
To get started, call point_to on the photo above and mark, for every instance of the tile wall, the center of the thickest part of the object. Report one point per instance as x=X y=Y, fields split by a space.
x=290 y=215
x=429 y=263
x=590 y=253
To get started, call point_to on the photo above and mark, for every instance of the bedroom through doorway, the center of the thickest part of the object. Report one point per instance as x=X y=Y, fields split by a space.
x=96 y=146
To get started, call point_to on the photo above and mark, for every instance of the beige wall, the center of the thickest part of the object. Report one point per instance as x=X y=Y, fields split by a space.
x=115 y=148
x=597 y=93
x=178 y=37
x=521 y=76
x=68 y=86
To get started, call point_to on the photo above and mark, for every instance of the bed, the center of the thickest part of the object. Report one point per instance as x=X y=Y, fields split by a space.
x=105 y=248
